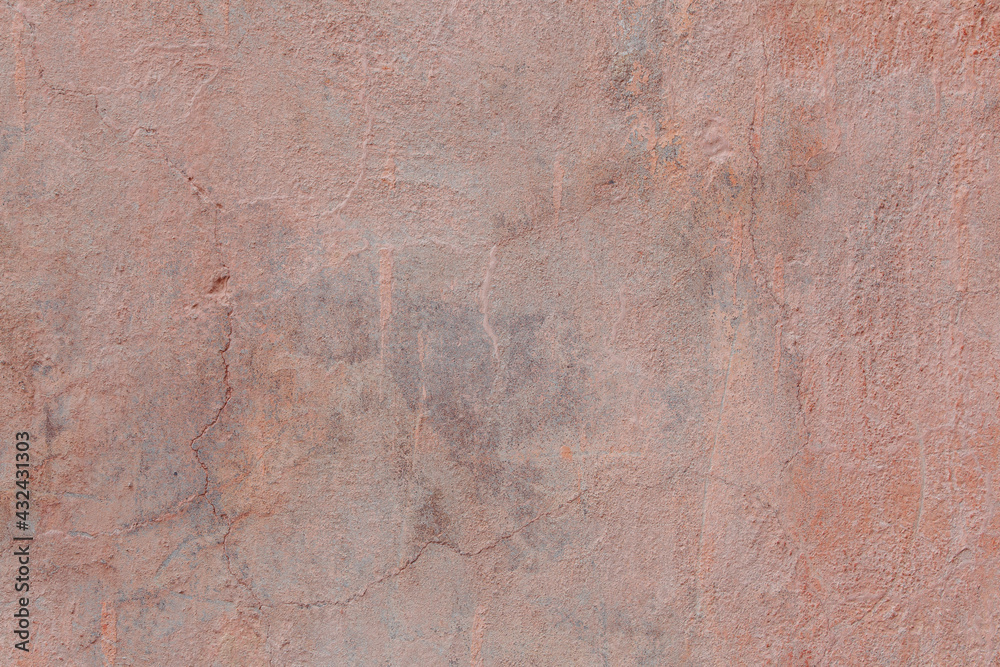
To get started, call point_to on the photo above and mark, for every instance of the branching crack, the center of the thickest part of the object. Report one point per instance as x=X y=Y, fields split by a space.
x=395 y=572
x=222 y=285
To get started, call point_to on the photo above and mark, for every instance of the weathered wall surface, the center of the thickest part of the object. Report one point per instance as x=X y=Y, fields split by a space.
x=503 y=332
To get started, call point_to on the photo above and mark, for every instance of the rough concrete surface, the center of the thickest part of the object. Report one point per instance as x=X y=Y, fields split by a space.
x=502 y=332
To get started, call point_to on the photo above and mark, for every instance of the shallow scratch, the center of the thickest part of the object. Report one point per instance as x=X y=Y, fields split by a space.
x=708 y=472
x=484 y=302
x=923 y=484
x=478 y=631
x=421 y=353
x=365 y=141
x=20 y=69
x=557 y=187
x=384 y=292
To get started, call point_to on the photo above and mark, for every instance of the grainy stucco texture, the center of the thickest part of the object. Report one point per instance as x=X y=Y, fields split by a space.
x=503 y=332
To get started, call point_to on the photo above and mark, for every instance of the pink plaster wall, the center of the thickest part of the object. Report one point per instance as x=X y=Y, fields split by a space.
x=497 y=332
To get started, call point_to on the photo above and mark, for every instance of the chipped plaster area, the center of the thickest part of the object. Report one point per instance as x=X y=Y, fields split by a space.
x=503 y=333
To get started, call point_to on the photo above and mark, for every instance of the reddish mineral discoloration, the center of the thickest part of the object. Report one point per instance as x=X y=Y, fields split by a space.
x=493 y=333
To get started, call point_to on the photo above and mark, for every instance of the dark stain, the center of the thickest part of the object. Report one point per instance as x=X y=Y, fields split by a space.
x=369 y=399
x=282 y=407
x=542 y=382
x=9 y=136
x=55 y=419
x=507 y=227
x=458 y=366
x=485 y=412
x=431 y=521
x=620 y=70
x=51 y=430
x=335 y=319
x=336 y=436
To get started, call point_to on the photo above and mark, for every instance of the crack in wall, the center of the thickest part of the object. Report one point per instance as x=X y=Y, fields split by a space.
x=221 y=286
x=395 y=572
